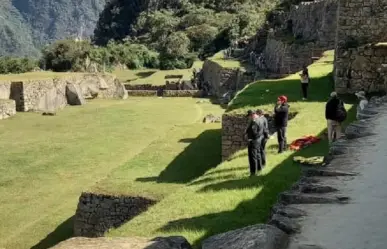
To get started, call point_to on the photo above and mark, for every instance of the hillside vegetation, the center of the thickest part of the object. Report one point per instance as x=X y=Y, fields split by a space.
x=27 y=25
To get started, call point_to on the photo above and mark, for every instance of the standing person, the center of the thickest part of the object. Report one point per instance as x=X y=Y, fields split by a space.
x=281 y=115
x=265 y=137
x=335 y=114
x=304 y=82
x=362 y=104
x=254 y=134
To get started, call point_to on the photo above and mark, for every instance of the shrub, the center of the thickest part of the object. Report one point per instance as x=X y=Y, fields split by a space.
x=16 y=65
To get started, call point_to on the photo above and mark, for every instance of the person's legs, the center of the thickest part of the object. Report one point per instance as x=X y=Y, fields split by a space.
x=281 y=138
x=250 y=150
x=257 y=150
x=337 y=129
x=285 y=139
x=304 y=87
x=263 y=152
x=330 y=130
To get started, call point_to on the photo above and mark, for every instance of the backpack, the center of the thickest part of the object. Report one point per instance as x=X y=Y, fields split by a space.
x=341 y=112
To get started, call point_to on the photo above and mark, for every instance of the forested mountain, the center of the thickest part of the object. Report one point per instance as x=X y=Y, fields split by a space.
x=162 y=23
x=27 y=25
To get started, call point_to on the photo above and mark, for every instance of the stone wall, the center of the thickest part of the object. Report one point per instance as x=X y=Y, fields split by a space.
x=315 y=21
x=221 y=80
x=49 y=95
x=97 y=213
x=283 y=58
x=182 y=93
x=7 y=108
x=233 y=129
x=360 y=22
x=142 y=93
x=365 y=69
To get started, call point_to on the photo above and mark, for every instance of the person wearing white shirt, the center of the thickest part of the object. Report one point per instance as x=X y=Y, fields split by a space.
x=362 y=104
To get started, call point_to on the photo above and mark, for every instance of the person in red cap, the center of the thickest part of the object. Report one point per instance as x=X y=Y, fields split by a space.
x=281 y=115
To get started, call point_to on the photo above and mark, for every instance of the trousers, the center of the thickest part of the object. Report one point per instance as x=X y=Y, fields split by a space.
x=263 y=151
x=304 y=87
x=334 y=130
x=254 y=154
x=281 y=136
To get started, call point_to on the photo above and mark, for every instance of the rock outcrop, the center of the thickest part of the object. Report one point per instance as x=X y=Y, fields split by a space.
x=252 y=237
x=175 y=242
x=74 y=94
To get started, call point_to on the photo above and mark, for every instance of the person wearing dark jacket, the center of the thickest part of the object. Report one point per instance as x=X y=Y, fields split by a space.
x=266 y=135
x=334 y=116
x=281 y=115
x=254 y=134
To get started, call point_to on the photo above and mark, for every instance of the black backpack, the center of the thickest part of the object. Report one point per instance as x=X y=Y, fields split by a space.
x=341 y=112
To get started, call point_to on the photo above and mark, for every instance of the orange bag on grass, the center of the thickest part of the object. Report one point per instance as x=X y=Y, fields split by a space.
x=303 y=142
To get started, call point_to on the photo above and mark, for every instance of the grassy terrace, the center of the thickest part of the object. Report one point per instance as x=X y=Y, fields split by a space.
x=150 y=147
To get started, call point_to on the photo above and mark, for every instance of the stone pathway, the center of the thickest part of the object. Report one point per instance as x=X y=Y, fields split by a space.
x=343 y=205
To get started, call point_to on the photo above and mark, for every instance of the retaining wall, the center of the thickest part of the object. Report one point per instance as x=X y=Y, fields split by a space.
x=7 y=108
x=97 y=213
x=359 y=22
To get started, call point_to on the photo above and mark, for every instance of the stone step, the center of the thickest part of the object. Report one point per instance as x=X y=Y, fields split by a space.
x=293 y=197
x=327 y=173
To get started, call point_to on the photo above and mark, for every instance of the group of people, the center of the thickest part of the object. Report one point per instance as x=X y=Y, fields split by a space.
x=257 y=60
x=335 y=113
x=257 y=133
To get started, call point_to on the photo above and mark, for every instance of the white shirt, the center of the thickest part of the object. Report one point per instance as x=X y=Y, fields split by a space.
x=363 y=103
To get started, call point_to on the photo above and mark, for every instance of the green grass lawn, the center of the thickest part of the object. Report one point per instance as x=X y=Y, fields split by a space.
x=154 y=77
x=47 y=161
x=224 y=198
x=150 y=147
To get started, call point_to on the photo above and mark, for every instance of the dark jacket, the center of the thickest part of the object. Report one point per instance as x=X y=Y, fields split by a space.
x=266 y=132
x=281 y=115
x=255 y=129
x=332 y=108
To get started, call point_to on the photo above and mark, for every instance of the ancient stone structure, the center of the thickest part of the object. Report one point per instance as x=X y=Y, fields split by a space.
x=182 y=93
x=142 y=93
x=365 y=68
x=251 y=237
x=97 y=213
x=49 y=95
x=233 y=129
x=223 y=80
x=298 y=36
x=175 y=242
x=7 y=108
x=360 y=24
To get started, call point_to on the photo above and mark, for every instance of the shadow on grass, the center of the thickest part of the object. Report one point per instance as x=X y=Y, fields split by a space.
x=256 y=210
x=145 y=74
x=63 y=232
x=202 y=154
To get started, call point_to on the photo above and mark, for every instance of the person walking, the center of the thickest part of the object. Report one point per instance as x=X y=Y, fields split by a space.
x=281 y=115
x=254 y=134
x=265 y=137
x=362 y=104
x=335 y=114
x=304 y=82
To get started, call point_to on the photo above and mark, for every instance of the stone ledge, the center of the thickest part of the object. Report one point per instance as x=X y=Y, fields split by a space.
x=97 y=213
x=7 y=108
x=142 y=93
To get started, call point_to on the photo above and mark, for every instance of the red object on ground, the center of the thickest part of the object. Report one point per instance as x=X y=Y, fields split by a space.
x=303 y=142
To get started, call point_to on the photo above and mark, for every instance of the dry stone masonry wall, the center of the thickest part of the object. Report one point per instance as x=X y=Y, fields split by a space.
x=360 y=22
x=7 y=108
x=366 y=69
x=313 y=32
x=49 y=95
x=97 y=213
x=222 y=80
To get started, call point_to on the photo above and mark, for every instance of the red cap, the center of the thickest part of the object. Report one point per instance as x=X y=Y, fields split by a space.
x=283 y=98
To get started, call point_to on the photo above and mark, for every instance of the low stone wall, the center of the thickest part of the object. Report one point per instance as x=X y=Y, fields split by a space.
x=97 y=213
x=7 y=108
x=49 y=95
x=361 y=68
x=233 y=129
x=185 y=85
x=146 y=87
x=182 y=93
x=143 y=93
